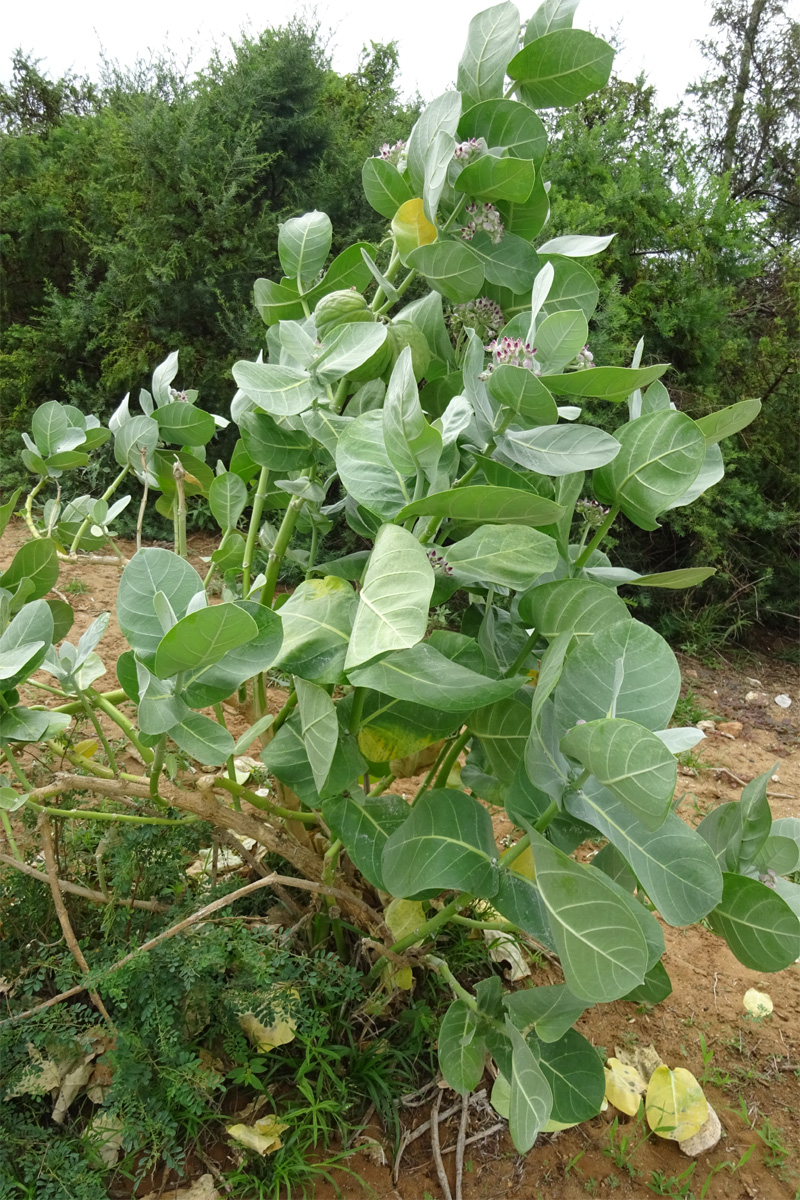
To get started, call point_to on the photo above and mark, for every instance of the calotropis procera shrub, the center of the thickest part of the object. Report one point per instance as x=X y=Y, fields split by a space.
x=453 y=435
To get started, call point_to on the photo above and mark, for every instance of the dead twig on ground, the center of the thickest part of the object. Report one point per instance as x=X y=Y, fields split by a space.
x=437 y=1153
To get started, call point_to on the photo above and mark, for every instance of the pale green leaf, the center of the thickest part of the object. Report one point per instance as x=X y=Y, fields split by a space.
x=393 y=604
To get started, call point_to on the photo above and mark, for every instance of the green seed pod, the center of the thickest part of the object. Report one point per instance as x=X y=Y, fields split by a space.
x=403 y=334
x=340 y=308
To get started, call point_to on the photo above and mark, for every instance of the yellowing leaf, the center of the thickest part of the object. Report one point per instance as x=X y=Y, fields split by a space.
x=411 y=228
x=87 y=748
x=675 y=1106
x=403 y=917
x=280 y=1000
x=263 y=1136
x=524 y=864
x=624 y=1086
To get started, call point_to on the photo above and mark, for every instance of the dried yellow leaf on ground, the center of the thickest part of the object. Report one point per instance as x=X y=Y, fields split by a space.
x=675 y=1106
x=280 y=1002
x=263 y=1136
x=758 y=1004
x=625 y=1086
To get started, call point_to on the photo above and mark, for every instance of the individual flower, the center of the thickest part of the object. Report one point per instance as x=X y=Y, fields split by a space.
x=439 y=562
x=592 y=512
x=483 y=315
x=513 y=352
x=484 y=218
x=472 y=148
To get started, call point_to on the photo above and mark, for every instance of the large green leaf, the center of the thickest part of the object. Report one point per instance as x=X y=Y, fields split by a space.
x=492 y=38
x=490 y=179
x=559 y=449
x=549 y=1010
x=503 y=729
x=648 y=687
x=522 y=391
x=727 y=421
x=150 y=571
x=498 y=505
x=36 y=562
x=512 y=556
x=561 y=68
x=604 y=383
x=601 y=947
x=50 y=427
x=135 y=435
x=441 y=114
x=319 y=726
x=630 y=761
x=24 y=725
x=392 y=611
x=682 y=578
x=674 y=865
x=281 y=301
x=711 y=472
x=451 y=268
x=447 y=841
x=511 y=262
x=759 y=926
x=364 y=827
x=303 y=245
x=530 y=1101
x=518 y=900
x=349 y=347
x=202 y=739
x=462 y=1049
x=7 y=509
x=574 y=1071
x=32 y=624
x=227 y=499
x=317 y=623
x=552 y=14
x=279 y=391
x=508 y=125
x=184 y=424
x=526 y=220
x=575 y=606
x=203 y=638
x=272 y=445
x=572 y=287
x=366 y=470
x=559 y=337
x=422 y=675
x=384 y=187
x=411 y=443
x=159 y=707
x=211 y=683
x=577 y=245
x=13 y=662
x=661 y=454
x=285 y=756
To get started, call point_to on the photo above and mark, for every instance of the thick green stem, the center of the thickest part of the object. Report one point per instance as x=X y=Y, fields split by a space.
x=107 y=494
x=213 y=567
x=381 y=786
x=452 y=755
x=441 y=968
x=179 y=474
x=312 y=553
x=279 y=549
x=357 y=711
x=102 y=702
x=5 y=822
x=428 y=780
x=37 y=487
x=231 y=765
x=157 y=765
x=285 y=712
x=522 y=657
x=513 y=852
x=252 y=530
x=423 y=931
x=454 y=214
x=589 y=550
x=92 y=715
x=388 y=275
x=16 y=768
x=401 y=289
x=275 y=810
x=92 y=814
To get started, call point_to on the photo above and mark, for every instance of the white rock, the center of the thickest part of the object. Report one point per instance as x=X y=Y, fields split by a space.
x=706 y=1137
x=759 y=1004
x=783 y=701
x=758 y=698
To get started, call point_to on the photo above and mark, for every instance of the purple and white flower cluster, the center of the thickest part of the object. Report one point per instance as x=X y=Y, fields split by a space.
x=584 y=359
x=472 y=148
x=396 y=154
x=513 y=352
x=484 y=218
x=483 y=315
x=592 y=512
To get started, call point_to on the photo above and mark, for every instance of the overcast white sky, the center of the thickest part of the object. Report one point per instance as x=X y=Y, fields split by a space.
x=660 y=38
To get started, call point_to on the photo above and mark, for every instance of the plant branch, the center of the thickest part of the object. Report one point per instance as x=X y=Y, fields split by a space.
x=252 y=529
x=589 y=550
x=75 y=889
